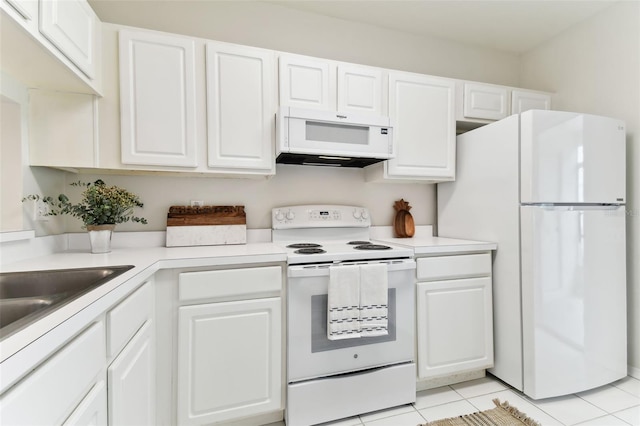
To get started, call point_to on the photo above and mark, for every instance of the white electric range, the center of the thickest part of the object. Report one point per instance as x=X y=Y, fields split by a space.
x=332 y=379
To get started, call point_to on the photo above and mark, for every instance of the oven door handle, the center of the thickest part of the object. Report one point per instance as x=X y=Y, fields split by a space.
x=323 y=269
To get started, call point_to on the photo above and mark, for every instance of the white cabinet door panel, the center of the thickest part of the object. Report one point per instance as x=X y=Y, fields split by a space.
x=157 y=99
x=229 y=360
x=131 y=382
x=92 y=411
x=484 y=101
x=422 y=114
x=72 y=26
x=306 y=83
x=455 y=328
x=240 y=107
x=28 y=9
x=54 y=389
x=359 y=89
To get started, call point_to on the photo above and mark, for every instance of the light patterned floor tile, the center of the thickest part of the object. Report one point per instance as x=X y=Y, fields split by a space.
x=630 y=415
x=375 y=415
x=569 y=410
x=479 y=387
x=610 y=398
x=437 y=396
x=485 y=402
x=350 y=421
x=630 y=385
x=605 y=421
x=407 y=419
x=451 y=409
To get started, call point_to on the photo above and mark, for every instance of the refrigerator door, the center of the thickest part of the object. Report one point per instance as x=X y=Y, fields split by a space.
x=571 y=158
x=573 y=298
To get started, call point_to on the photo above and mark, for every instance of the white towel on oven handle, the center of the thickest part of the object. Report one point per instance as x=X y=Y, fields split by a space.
x=343 y=302
x=374 y=291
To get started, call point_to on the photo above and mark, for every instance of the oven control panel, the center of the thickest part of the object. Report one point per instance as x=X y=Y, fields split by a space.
x=319 y=216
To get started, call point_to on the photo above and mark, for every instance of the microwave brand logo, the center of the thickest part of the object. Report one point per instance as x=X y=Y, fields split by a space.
x=341 y=116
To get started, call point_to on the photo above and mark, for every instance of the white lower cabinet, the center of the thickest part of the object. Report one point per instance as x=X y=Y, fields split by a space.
x=131 y=373
x=93 y=408
x=454 y=315
x=131 y=382
x=53 y=392
x=229 y=360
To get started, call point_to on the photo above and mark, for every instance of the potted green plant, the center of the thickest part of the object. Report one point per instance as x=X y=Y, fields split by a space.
x=101 y=208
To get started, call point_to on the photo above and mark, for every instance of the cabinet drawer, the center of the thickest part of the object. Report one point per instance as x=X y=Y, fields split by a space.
x=49 y=394
x=125 y=320
x=229 y=282
x=452 y=267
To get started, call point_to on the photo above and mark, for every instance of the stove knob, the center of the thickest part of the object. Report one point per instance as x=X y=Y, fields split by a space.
x=279 y=216
x=365 y=215
x=290 y=215
x=356 y=214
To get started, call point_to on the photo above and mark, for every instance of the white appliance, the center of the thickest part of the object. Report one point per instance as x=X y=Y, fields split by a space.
x=333 y=379
x=326 y=138
x=549 y=188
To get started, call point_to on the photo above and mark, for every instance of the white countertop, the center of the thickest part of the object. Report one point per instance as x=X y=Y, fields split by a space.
x=146 y=262
x=424 y=245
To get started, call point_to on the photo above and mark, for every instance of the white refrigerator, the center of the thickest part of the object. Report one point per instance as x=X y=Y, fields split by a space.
x=549 y=188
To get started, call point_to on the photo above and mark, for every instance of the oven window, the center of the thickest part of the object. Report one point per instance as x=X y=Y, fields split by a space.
x=319 y=341
x=337 y=133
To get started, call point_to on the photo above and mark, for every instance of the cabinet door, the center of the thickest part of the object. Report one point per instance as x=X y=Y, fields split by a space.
x=307 y=83
x=229 y=360
x=485 y=101
x=92 y=410
x=157 y=99
x=240 y=107
x=522 y=101
x=455 y=328
x=360 y=89
x=28 y=9
x=131 y=382
x=72 y=26
x=49 y=394
x=422 y=114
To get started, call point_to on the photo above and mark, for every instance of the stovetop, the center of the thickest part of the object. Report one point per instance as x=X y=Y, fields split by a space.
x=328 y=233
x=340 y=251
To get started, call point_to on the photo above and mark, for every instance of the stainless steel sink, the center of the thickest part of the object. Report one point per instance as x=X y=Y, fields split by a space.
x=27 y=296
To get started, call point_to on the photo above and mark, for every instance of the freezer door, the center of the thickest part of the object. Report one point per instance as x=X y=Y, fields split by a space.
x=571 y=158
x=573 y=298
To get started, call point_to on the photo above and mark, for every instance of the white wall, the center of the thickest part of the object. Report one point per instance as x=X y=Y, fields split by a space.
x=270 y=26
x=594 y=68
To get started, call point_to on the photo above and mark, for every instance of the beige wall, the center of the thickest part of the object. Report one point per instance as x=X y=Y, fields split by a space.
x=595 y=68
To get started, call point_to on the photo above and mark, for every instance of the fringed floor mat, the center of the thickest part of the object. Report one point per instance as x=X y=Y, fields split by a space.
x=503 y=415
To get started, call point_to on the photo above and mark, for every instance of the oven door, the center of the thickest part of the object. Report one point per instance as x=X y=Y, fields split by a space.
x=311 y=354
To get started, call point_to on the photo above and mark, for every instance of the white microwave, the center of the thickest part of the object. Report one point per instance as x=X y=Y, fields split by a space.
x=314 y=137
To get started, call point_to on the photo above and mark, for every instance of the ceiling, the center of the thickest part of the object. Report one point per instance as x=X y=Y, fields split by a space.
x=510 y=25
x=514 y=26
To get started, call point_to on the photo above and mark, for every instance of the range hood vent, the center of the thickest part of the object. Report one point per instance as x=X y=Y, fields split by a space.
x=325 y=160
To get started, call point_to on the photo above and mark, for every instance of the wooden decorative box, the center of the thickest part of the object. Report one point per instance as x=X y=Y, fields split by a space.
x=206 y=226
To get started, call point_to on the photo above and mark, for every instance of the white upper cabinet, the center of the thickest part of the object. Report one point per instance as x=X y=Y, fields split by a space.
x=328 y=85
x=72 y=26
x=360 y=89
x=241 y=106
x=522 y=100
x=422 y=113
x=485 y=101
x=28 y=9
x=306 y=82
x=157 y=99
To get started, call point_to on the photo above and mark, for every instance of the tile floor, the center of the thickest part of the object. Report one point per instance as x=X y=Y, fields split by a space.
x=612 y=405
